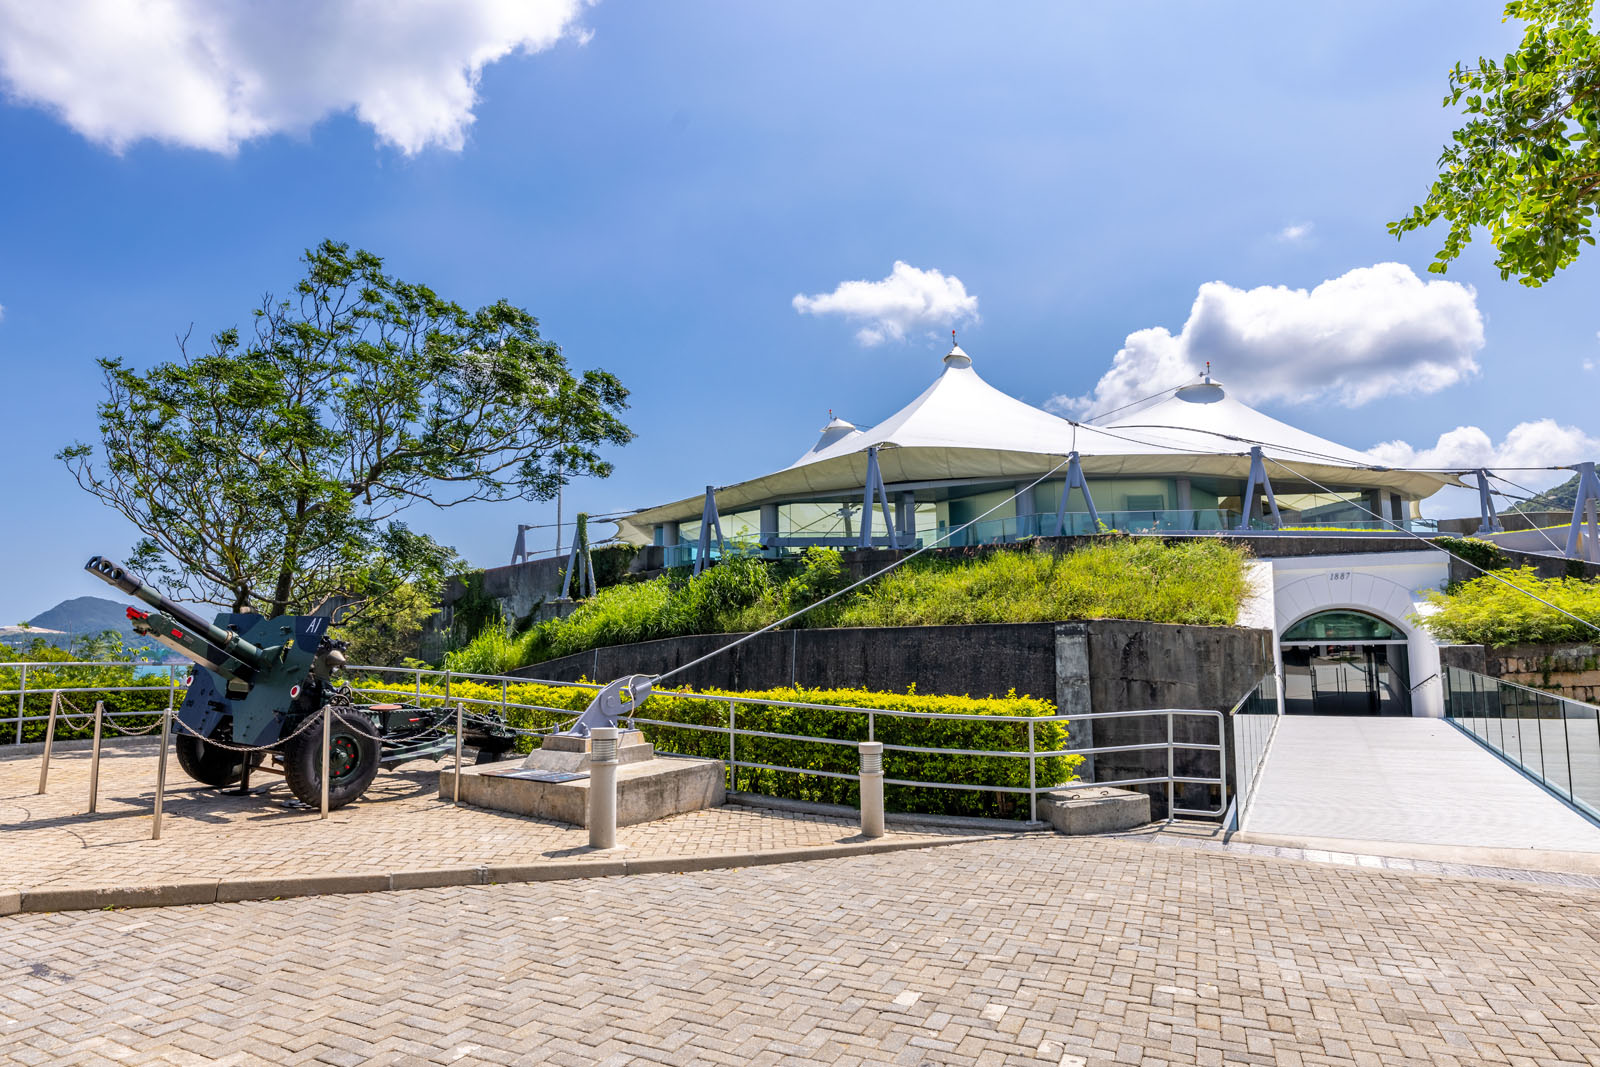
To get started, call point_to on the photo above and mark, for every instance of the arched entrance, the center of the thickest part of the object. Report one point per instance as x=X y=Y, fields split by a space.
x=1345 y=662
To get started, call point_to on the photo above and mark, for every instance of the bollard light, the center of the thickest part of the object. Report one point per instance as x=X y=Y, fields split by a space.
x=603 y=787
x=871 y=788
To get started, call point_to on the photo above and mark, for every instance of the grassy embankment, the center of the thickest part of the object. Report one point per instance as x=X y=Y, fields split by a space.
x=1201 y=581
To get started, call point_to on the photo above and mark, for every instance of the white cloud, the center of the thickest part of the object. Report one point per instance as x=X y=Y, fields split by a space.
x=1373 y=332
x=1588 y=364
x=1298 y=231
x=1529 y=444
x=908 y=299
x=212 y=76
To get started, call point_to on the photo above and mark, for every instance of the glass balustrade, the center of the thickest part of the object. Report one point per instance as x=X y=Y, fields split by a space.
x=1554 y=740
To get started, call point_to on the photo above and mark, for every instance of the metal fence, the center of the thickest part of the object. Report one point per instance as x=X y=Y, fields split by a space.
x=436 y=686
x=1554 y=740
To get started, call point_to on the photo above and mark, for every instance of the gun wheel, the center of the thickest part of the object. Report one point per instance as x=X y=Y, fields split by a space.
x=211 y=764
x=353 y=754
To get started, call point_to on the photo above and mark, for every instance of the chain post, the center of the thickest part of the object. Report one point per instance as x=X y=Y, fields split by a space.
x=49 y=739
x=419 y=686
x=327 y=743
x=447 y=688
x=22 y=702
x=94 y=757
x=457 y=799
x=1033 y=784
x=733 y=766
x=161 y=768
x=502 y=700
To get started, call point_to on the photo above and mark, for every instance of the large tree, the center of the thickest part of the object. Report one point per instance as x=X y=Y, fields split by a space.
x=1526 y=166
x=265 y=471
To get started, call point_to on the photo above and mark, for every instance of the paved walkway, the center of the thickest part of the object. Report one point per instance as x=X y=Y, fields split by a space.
x=1404 y=780
x=401 y=825
x=1050 y=951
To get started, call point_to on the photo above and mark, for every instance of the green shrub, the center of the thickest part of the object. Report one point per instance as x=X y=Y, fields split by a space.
x=1200 y=581
x=556 y=705
x=48 y=669
x=1476 y=551
x=1485 y=611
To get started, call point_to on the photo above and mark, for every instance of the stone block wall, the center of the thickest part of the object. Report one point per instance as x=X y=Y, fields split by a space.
x=1571 y=671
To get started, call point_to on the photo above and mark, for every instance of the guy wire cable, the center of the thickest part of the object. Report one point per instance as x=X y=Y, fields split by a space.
x=857 y=584
x=1531 y=494
x=1446 y=551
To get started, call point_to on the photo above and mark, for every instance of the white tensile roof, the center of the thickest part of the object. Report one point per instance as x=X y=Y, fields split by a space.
x=963 y=428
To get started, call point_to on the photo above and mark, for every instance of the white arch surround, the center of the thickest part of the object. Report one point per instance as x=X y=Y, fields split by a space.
x=1353 y=583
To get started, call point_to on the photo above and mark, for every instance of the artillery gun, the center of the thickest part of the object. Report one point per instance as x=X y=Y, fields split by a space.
x=258 y=681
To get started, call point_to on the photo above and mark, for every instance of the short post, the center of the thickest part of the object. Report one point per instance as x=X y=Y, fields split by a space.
x=327 y=744
x=49 y=739
x=871 y=788
x=161 y=767
x=603 y=787
x=457 y=798
x=94 y=757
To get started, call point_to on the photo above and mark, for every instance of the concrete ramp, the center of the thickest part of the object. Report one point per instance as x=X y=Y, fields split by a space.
x=1410 y=780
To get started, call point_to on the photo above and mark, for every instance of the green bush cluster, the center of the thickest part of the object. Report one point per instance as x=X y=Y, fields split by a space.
x=554 y=705
x=48 y=670
x=1486 y=611
x=1476 y=551
x=1200 y=581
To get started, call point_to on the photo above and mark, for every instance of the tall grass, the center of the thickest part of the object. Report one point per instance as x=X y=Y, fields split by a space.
x=1200 y=581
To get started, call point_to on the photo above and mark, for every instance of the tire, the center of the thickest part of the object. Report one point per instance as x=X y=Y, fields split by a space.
x=352 y=760
x=211 y=764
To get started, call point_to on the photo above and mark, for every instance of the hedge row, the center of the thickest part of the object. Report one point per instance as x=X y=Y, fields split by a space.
x=840 y=725
x=91 y=684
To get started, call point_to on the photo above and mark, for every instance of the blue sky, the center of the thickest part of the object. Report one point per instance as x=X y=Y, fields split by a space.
x=658 y=182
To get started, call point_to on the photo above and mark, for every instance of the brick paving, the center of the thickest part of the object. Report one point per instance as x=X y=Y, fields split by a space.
x=401 y=824
x=1023 y=951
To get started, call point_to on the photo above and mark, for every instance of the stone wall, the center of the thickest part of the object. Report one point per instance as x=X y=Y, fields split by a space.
x=527 y=592
x=1567 y=670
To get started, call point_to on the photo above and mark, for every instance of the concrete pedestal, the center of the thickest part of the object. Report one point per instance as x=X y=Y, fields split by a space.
x=649 y=787
x=1094 y=809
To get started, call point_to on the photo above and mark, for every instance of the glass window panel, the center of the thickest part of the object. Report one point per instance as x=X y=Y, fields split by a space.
x=1342 y=626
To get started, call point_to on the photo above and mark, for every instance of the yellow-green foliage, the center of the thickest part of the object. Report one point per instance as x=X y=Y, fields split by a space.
x=1485 y=611
x=567 y=701
x=1199 y=581
x=48 y=670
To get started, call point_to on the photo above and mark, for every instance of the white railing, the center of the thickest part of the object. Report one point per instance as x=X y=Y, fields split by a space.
x=436 y=686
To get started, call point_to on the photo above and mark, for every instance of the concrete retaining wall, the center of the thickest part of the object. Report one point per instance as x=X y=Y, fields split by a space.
x=1099 y=665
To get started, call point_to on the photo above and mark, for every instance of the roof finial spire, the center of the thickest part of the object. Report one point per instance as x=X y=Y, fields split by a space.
x=1208 y=372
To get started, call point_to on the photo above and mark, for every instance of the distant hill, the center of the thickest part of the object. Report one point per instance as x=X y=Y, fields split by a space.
x=85 y=615
x=79 y=617
x=1559 y=498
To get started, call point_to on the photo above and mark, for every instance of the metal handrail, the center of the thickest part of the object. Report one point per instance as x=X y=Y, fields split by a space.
x=1032 y=754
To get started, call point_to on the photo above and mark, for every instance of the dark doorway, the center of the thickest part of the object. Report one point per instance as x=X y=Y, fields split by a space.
x=1345 y=663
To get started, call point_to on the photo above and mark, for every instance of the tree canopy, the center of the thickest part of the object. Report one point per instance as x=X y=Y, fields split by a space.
x=265 y=472
x=1526 y=165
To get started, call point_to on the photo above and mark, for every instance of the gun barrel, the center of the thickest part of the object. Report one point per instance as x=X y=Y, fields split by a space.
x=113 y=573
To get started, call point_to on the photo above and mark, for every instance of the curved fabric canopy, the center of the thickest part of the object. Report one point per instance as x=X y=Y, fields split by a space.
x=963 y=428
